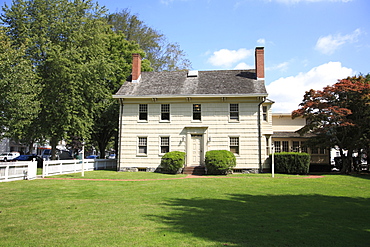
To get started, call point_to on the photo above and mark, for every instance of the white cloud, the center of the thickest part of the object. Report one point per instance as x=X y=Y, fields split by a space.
x=329 y=44
x=243 y=66
x=226 y=58
x=281 y=67
x=288 y=92
x=261 y=41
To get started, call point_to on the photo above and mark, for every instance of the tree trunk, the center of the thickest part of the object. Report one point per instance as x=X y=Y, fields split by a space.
x=53 y=144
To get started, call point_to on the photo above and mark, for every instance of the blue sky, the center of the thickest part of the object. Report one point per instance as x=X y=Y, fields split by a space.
x=308 y=43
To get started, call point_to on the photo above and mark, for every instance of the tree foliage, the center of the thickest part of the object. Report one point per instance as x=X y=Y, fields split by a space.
x=19 y=104
x=163 y=55
x=339 y=116
x=72 y=62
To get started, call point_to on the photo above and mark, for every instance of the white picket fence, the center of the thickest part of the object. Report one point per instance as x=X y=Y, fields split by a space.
x=57 y=167
x=27 y=170
x=11 y=171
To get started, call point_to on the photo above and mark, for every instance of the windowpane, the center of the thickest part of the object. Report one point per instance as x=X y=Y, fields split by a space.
x=142 y=145
x=165 y=112
x=264 y=109
x=295 y=146
x=197 y=112
x=303 y=147
x=143 y=112
x=165 y=144
x=234 y=145
x=277 y=146
x=285 y=146
x=234 y=111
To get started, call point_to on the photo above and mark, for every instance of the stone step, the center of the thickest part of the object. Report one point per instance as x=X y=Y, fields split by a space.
x=194 y=170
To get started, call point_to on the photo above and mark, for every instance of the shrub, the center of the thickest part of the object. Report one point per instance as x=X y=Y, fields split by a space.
x=220 y=162
x=172 y=162
x=292 y=163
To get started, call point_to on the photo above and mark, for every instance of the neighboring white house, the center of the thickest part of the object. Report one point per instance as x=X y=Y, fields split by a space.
x=286 y=139
x=194 y=112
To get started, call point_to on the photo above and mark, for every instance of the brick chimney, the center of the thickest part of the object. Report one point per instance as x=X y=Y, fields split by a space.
x=260 y=63
x=136 y=67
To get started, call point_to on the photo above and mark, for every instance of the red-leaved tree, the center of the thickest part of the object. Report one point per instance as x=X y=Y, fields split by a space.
x=339 y=115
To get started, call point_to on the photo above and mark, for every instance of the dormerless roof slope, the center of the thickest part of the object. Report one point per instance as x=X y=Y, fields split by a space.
x=207 y=83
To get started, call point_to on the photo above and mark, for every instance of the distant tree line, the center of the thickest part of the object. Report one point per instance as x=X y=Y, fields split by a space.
x=60 y=63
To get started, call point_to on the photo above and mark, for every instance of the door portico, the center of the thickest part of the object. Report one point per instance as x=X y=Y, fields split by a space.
x=196 y=145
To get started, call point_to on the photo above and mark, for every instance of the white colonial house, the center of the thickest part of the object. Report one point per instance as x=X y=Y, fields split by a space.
x=194 y=112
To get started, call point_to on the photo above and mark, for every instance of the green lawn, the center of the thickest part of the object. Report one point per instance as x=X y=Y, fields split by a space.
x=237 y=210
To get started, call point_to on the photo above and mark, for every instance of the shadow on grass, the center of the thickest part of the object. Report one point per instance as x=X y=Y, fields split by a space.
x=287 y=220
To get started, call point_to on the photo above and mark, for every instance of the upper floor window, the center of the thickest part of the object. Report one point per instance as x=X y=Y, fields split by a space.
x=197 y=112
x=143 y=112
x=234 y=112
x=234 y=145
x=165 y=144
x=264 y=110
x=165 y=112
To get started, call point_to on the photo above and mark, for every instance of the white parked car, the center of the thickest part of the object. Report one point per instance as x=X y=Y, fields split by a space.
x=9 y=156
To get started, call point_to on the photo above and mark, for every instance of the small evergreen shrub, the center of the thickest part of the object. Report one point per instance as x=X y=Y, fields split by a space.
x=220 y=162
x=292 y=163
x=172 y=162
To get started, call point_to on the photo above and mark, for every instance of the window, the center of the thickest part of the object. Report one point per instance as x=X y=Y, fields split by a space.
x=304 y=148
x=277 y=146
x=197 y=112
x=295 y=146
x=142 y=145
x=234 y=112
x=143 y=112
x=165 y=112
x=234 y=145
x=264 y=110
x=285 y=146
x=165 y=145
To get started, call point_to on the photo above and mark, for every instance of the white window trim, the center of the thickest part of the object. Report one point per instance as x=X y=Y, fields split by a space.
x=192 y=113
x=160 y=146
x=147 y=114
x=234 y=120
x=160 y=116
x=231 y=136
x=137 y=146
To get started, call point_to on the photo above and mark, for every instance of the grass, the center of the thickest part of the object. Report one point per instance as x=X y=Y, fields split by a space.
x=237 y=210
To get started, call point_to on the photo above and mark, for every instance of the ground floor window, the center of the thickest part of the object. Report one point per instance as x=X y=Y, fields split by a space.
x=277 y=146
x=165 y=144
x=285 y=146
x=142 y=145
x=234 y=145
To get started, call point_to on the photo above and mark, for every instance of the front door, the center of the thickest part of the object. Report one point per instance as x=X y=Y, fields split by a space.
x=197 y=149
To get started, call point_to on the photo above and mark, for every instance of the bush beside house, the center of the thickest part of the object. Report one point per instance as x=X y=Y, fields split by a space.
x=292 y=163
x=220 y=162
x=173 y=162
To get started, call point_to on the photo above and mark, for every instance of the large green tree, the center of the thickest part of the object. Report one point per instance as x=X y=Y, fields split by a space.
x=339 y=115
x=162 y=54
x=66 y=43
x=105 y=128
x=19 y=93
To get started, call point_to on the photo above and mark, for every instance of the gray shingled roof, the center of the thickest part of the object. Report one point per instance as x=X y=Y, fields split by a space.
x=287 y=134
x=218 y=82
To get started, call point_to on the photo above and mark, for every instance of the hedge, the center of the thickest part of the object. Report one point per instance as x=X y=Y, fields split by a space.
x=292 y=163
x=220 y=162
x=172 y=162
